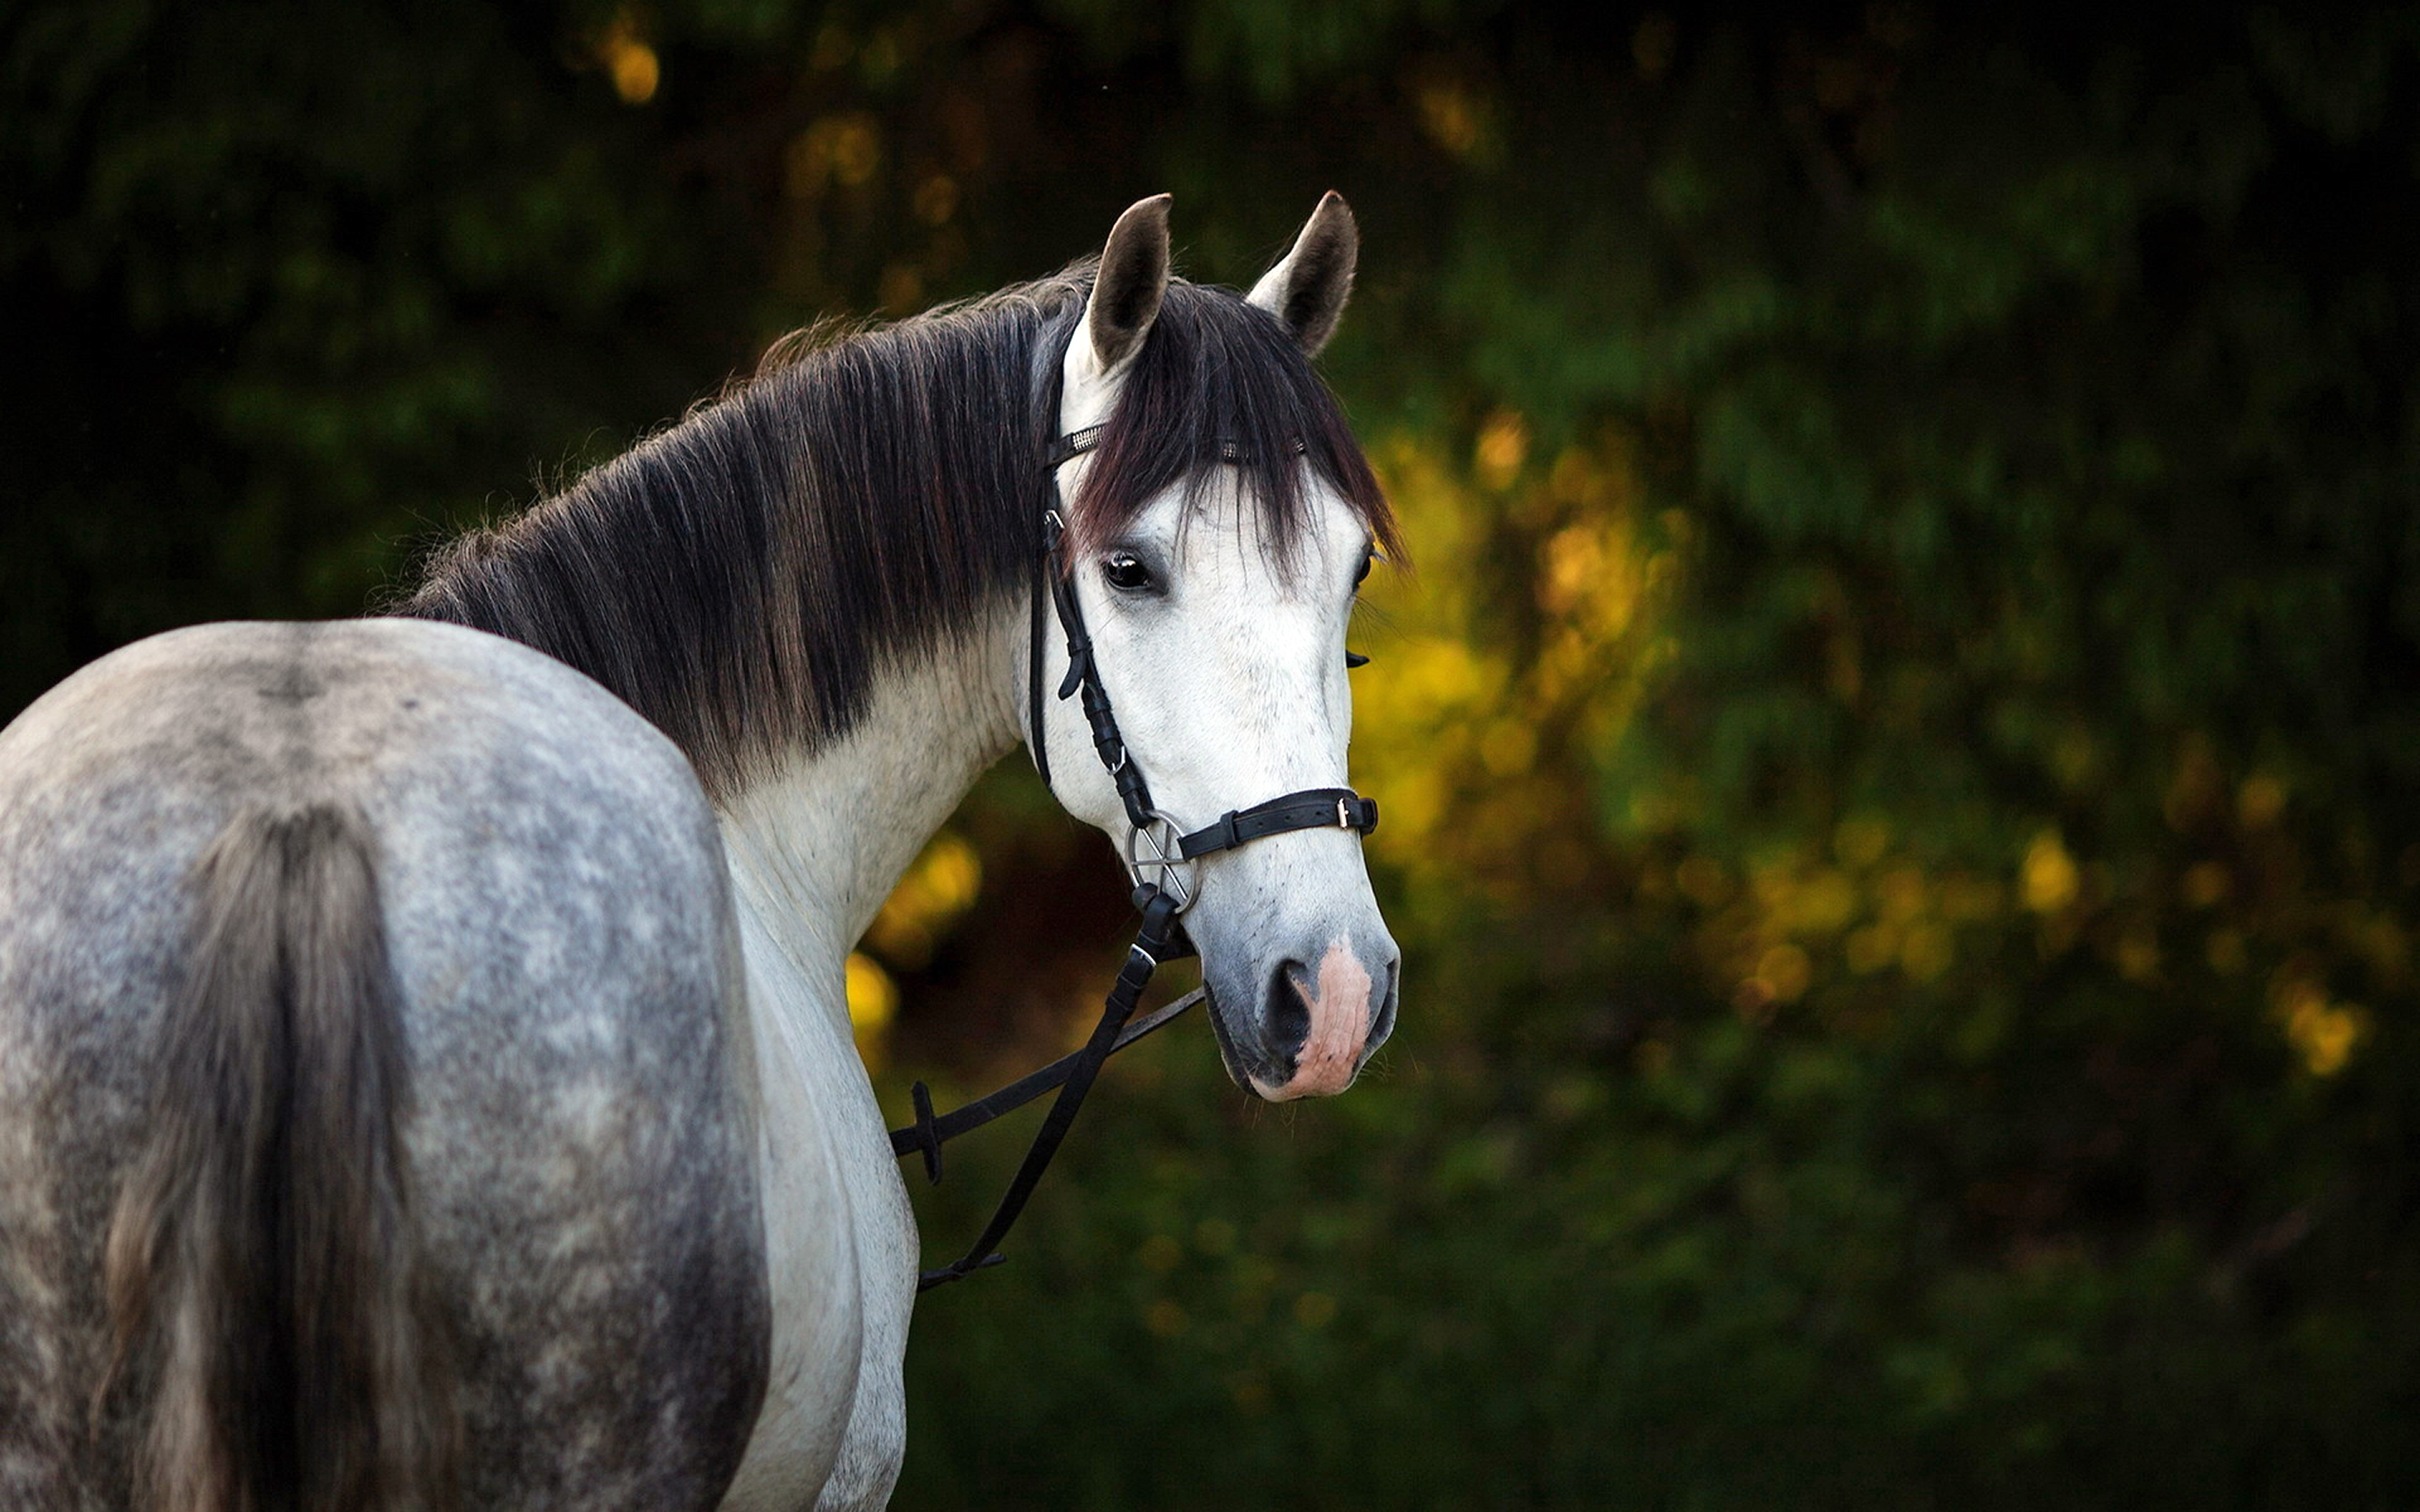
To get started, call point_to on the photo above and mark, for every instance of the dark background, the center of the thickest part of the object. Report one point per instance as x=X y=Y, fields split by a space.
x=1899 y=751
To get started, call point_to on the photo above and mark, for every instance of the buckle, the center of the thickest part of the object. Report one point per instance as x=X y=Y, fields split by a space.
x=1344 y=815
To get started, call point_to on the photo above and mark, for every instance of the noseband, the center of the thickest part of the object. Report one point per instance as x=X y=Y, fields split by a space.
x=1156 y=844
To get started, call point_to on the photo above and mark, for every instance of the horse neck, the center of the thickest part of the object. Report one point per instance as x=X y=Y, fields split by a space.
x=818 y=841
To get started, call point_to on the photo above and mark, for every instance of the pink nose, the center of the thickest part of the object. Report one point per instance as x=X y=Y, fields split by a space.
x=1339 y=1004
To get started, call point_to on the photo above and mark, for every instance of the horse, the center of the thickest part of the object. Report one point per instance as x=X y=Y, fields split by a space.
x=425 y=1075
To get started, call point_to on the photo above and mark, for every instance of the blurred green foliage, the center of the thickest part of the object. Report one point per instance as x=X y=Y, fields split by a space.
x=1900 y=756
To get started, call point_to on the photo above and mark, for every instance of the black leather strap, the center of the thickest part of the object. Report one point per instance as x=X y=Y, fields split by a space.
x=1076 y=442
x=1072 y=445
x=1152 y=943
x=1311 y=809
x=1084 y=677
x=928 y=1133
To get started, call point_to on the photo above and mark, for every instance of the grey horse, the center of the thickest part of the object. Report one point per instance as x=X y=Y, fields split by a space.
x=426 y=1077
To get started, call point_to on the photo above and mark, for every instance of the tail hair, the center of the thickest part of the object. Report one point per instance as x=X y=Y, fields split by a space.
x=266 y=1294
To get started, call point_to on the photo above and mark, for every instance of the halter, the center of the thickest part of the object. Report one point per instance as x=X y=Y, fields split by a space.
x=1157 y=850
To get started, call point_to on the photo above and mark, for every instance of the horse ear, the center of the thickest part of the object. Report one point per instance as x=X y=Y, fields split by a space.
x=1307 y=289
x=1133 y=277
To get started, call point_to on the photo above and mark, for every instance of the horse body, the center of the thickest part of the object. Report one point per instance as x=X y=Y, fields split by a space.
x=655 y=1064
x=815 y=847
x=425 y=1074
x=579 y=1131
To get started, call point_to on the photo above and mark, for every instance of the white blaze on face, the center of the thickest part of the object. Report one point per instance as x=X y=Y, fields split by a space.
x=1339 y=1009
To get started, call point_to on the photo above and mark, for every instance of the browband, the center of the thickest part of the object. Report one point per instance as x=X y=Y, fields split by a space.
x=1076 y=442
x=1073 y=445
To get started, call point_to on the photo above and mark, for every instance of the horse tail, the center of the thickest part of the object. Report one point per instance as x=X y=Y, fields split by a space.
x=263 y=1274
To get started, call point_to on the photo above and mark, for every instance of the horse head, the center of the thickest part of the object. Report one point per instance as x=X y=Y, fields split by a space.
x=1219 y=519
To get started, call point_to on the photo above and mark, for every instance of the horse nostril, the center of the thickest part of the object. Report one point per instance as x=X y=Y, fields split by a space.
x=1286 y=1015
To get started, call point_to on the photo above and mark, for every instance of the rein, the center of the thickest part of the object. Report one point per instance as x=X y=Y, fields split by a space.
x=1161 y=896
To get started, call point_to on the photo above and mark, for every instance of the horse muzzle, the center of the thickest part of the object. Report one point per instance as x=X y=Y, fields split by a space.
x=1311 y=1025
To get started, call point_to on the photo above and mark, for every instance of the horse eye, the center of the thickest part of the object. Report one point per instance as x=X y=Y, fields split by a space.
x=1363 y=575
x=1126 y=573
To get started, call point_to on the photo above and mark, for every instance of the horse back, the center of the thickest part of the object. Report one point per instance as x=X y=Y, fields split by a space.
x=556 y=976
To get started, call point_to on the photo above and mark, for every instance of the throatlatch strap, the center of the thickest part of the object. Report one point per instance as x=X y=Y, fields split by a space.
x=1142 y=958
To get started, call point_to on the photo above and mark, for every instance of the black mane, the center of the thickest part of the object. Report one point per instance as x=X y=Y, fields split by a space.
x=737 y=577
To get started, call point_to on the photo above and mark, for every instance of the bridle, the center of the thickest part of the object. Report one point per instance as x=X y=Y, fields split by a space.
x=1170 y=847
x=1158 y=850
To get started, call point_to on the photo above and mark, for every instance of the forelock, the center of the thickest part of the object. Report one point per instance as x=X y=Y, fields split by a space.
x=1221 y=390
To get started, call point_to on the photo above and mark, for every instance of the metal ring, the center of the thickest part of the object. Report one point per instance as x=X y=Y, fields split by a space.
x=1176 y=876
